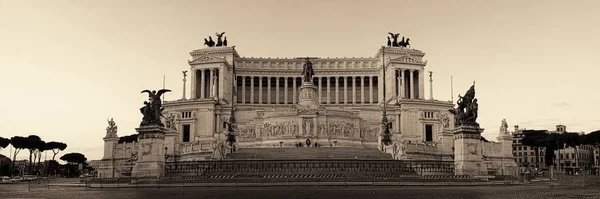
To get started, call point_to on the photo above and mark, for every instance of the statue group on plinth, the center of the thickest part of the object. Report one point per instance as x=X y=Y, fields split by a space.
x=466 y=112
x=210 y=43
x=395 y=43
x=152 y=109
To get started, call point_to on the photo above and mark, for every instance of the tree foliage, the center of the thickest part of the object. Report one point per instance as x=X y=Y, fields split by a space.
x=74 y=158
x=592 y=138
x=55 y=147
x=4 y=142
x=128 y=138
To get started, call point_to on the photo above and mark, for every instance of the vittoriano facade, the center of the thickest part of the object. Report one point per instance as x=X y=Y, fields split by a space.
x=340 y=105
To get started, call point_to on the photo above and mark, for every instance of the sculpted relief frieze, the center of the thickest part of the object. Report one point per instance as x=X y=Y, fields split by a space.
x=248 y=131
x=339 y=129
x=277 y=129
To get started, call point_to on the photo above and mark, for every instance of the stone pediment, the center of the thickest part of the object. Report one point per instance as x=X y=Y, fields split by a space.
x=408 y=60
x=207 y=59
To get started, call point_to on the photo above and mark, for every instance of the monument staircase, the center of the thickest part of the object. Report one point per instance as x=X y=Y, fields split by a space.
x=302 y=153
x=311 y=164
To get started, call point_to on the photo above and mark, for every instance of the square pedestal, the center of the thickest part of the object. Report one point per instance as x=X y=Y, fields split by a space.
x=151 y=152
x=468 y=159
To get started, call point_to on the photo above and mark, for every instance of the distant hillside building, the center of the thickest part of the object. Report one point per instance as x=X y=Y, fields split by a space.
x=525 y=156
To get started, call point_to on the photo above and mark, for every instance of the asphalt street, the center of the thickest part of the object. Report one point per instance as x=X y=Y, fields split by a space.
x=529 y=192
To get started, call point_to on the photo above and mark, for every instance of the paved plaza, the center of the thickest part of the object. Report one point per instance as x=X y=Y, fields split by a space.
x=530 y=192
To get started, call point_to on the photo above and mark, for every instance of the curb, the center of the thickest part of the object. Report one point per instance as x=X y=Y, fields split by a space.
x=290 y=184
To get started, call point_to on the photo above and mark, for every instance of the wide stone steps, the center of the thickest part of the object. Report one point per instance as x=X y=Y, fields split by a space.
x=303 y=153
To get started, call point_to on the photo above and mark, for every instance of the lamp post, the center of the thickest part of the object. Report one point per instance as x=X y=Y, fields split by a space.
x=231 y=124
x=385 y=134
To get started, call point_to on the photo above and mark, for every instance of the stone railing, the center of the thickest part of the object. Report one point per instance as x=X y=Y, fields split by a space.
x=275 y=167
x=422 y=148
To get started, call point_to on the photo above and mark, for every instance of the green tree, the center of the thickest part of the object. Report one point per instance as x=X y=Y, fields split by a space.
x=32 y=143
x=73 y=159
x=55 y=147
x=4 y=143
x=19 y=143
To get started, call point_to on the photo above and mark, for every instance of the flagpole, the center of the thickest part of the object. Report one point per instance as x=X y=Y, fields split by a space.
x=163 y=96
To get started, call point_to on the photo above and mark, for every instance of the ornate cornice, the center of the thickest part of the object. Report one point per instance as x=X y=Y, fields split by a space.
x=400 y=51
x=214 y=50
x=206 y=59
x=406 y=59
x=324 y=64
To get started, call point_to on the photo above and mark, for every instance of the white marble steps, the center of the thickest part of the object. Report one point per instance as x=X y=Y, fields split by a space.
x=301 y=153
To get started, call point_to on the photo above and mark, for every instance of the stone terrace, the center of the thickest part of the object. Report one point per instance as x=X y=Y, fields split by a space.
x=301 y=153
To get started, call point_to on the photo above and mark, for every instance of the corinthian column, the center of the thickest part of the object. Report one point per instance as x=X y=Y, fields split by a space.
x=201 y=74
x=268 y=90
x=243 y=89
x=328 y=89
x=430 y=86
x=277 y=90
x=412 y=83
x=251 y=89
x=337 y=90
x=285 y=88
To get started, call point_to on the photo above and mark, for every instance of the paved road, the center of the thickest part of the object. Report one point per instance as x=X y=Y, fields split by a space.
x=509 y=192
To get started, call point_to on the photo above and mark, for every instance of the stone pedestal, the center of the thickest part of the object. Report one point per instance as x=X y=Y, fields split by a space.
x=468 y=159
x=171 y=142
x=151 y=152
x=308 y=106
x=308 y=96
x=445 y=142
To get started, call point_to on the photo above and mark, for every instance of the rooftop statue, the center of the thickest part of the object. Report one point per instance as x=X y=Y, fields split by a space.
x=504 y=127
x=395 y=43
x=152 y=109
x=111 y=130
x=395 y=37
x=220 y=42
x=466 y=111
x=307 y=70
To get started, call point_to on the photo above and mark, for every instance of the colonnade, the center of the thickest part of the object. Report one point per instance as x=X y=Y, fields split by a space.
x=206 y=84
x=407 y=83
x=284 y=90
x=331 y=89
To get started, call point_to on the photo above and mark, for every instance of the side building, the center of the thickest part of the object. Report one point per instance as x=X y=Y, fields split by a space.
x=583 y=157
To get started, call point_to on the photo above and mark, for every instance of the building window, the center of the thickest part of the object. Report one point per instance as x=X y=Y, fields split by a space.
x=514 y=148
x=532 y=154
x=428 y=133
x=186 y=133
x=186 y=114
x=428 y=114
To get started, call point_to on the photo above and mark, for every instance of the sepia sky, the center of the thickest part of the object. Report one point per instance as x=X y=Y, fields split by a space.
x=67 y=66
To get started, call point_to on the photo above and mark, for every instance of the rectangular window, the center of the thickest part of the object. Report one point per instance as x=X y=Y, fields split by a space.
x=186 y=133
x=428 y=133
